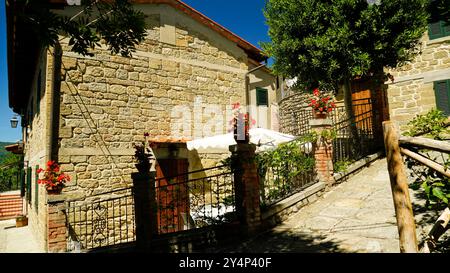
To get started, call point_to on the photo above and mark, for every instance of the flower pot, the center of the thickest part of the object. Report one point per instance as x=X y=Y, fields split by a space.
x=54 y=190
x=320 y=115
x=143 y=167
x=21 y=221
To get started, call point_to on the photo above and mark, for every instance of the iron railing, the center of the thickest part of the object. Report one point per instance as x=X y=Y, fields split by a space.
x=278 y=182
x=107 y=219
x=299 y=125
x=195 y=199
x=354 y=140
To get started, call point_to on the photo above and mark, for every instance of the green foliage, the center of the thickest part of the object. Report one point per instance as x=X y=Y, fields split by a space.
x=431 y=124
x=325 y=43
x=435 y=185
x=9 y=172
x=288 y=158
x=116 y=22
x=342 y=165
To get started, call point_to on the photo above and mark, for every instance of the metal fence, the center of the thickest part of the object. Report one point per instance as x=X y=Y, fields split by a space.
x=354 y=140
x=108 y=219
x=195 y=199
x=279 y=181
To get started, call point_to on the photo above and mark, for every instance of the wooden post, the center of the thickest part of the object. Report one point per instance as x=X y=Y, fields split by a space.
x=399 y=186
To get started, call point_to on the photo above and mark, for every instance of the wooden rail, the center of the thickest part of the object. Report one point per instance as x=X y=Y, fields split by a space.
x=399 y=186
x=400 y=193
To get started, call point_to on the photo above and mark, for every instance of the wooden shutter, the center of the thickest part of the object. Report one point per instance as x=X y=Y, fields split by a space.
x=435 y=30
x=22 y=182
x=442 y=93
x=262 y=97
x=438 y=29
x=36 y=188
x=29 y=170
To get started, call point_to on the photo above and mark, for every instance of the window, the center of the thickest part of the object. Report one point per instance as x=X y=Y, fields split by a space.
x=261 y=97
x=28 y=194
x=36 y=188
x=438 y=29
x=442 y=93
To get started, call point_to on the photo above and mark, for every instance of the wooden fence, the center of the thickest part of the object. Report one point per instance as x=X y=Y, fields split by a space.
x=396 y=146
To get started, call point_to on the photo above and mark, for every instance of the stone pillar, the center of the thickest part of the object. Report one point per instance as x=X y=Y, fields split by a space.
x=323 y=151
x=246 y=186
x=144 y=208
x=56 y=224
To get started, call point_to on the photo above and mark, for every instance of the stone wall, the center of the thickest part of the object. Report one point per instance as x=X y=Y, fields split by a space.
x=412 y=92
x=290 y=109
x=36 y=144
x=108 y=102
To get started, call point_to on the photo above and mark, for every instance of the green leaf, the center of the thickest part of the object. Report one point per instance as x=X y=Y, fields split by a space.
x=438 y=193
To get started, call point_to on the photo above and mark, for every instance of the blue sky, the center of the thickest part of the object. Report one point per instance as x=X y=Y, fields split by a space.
x=6 y=132
x=243 y=17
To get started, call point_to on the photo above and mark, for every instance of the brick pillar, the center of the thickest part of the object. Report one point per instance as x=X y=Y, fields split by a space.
x=144 y=208
x=246 y=186
x=323 y=151
x=56 y=224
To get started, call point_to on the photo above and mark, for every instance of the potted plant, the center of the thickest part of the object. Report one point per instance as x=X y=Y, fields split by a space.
x=321 y=103
x=143 y=155
x=54 y=179
x=21 y=221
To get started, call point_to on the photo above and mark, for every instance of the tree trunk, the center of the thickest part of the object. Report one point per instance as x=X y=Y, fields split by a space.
x=348 y=102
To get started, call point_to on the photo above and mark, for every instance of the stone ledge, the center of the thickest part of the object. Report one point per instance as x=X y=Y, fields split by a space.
x=320 y=122
x=358 y=165
x=292 y=200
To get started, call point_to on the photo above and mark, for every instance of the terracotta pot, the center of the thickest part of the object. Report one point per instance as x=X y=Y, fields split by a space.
x=54 y=190
x=320 y=115
x=21 y=221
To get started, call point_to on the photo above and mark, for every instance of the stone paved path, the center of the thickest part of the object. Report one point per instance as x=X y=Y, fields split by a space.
x=356 y=216
x=17 y=240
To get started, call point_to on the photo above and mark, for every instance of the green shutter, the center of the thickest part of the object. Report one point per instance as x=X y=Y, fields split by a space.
x=22 y=182
x=442 y=94
x=36 y=188
x=262 y=97
x=29 y=184
x=438 y=29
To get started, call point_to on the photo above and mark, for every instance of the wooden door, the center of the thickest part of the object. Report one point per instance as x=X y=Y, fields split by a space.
x=172 y=194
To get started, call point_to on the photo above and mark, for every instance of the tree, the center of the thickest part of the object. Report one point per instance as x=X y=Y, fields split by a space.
x=116 y=22
x=326 y=44
x=9 y=172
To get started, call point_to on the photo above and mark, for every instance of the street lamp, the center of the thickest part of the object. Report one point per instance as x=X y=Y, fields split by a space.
x=14 y=121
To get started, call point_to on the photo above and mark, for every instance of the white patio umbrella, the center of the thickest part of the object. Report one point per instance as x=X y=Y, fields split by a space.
x=264 y=139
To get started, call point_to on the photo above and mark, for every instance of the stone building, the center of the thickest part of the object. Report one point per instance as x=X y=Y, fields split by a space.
x=88 y=112
x=424 y=83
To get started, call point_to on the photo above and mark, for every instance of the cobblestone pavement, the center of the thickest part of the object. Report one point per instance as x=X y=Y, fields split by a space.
x=17 y=240
x=355 y=216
